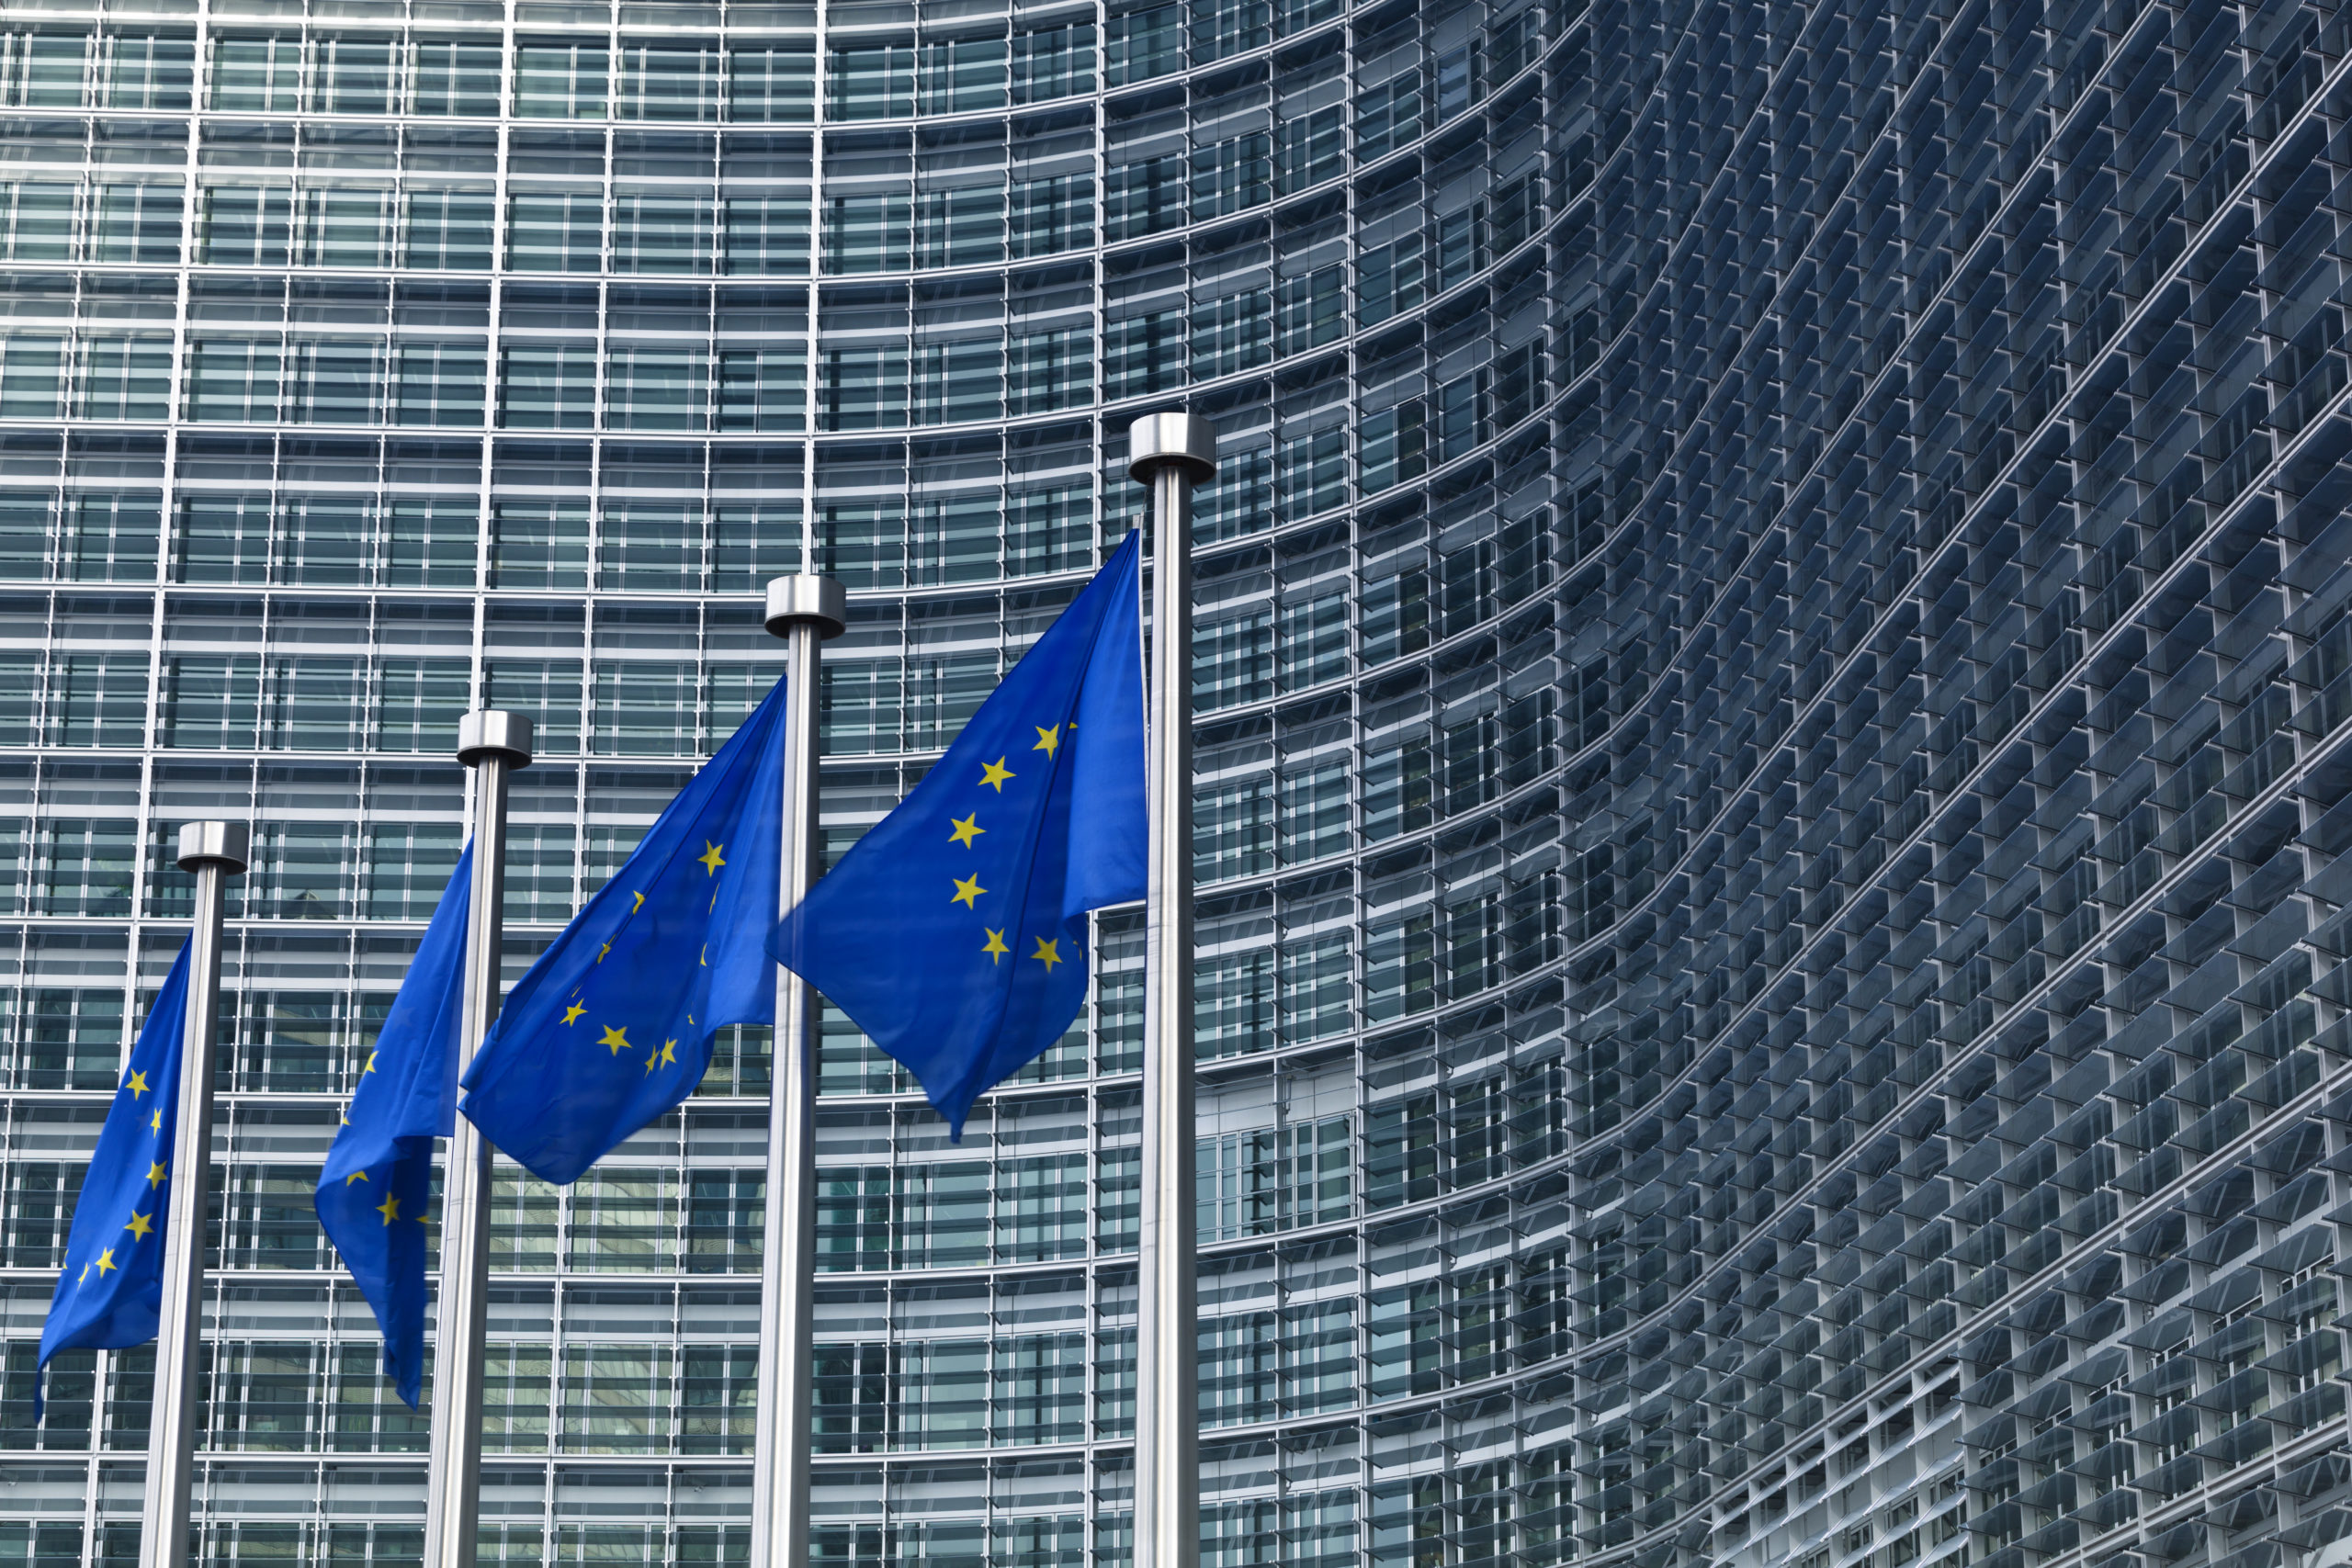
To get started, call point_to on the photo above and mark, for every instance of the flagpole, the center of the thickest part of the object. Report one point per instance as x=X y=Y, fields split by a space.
x=494 y=743
x=805 y=611
x=214 y=852
x=1169 y=452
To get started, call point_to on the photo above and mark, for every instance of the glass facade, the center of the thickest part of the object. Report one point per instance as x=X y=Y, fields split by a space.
x=1771 y=664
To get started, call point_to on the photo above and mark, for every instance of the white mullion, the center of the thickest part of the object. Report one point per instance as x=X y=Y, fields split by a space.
x=817 y=122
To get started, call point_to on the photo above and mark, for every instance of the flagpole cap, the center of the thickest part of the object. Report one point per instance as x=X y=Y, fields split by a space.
x=228 y=846
x=821 y=601
x=1176 y=439
x=495 y=732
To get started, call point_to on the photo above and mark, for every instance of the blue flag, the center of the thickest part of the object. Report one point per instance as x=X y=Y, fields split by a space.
x=378 y=1184
x=611 y=1027
x=111 y=1294
x=954 y=934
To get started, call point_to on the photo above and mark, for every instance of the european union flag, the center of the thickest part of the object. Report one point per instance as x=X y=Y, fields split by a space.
x=111 y=1293
x=377 y=1182
x=611 y=1027
x=954 y=934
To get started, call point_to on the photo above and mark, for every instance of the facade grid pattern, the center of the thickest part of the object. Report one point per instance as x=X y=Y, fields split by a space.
x=1772 y=661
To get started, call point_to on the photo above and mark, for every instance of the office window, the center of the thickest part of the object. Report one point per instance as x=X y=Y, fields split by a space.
x=224 y=538
x=85 y=866
x=770 y=81
x=313 y=703
x=124 y=378
x=408 y=866
x=1050 y=214
x=547 y=386
x=336 y=381
x=662 y=233
x=430 y=541
x=538 y=544
x=657 y=388
x=111 y=536
x=439 y=383
x=352 y=75
x=449 y=77
x=555 y=231
x=257 y=76
x=1049 y=370
x=326 y=540
x=643 y=708
x=43 y=71
x=767 y=234
x=560 y=81
x=234 y=379
x=753 y=542
x=417 y=702
x=36 y=221
x=868 y=233
x=650 y=547
x=245 y=225
x=670 y=82
x=96 y=699
x=31 y=376
x=763 y=389
x=546 y=689
x=863 y=387
x=141 y=224
x=25 y=520
x=871 y=82
x=212 y=702
x=449 y=231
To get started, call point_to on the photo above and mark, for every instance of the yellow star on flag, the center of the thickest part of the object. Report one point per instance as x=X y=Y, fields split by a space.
x=371 y=1067
x=1048 y=953
x=993 y=775
x=155 y=1174
x=615 y=1038
x=966 y=829
x=710 y=857
x=157 y=1122
x=391 y=1209
x=137 y=1085
x=669 y=1052
x=996 y=950
x=106 y=1261
x=633 y=909
x=966 y=889
x=355 y=1176
x=1047 y=739
x=571 y=1014
x=141 y=1225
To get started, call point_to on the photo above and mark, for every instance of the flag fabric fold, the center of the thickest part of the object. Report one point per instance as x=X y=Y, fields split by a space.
x=374 y=1195
x=611 y=1027
x=111 y=1292
x=954 y=934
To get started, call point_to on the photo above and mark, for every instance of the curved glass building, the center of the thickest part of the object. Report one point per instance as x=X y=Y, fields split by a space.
x=1772 y=675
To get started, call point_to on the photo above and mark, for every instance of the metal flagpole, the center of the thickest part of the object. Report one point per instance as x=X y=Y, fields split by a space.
x=494 y=743
x=1169 y=452
x=214 y=852
x=804 y=611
